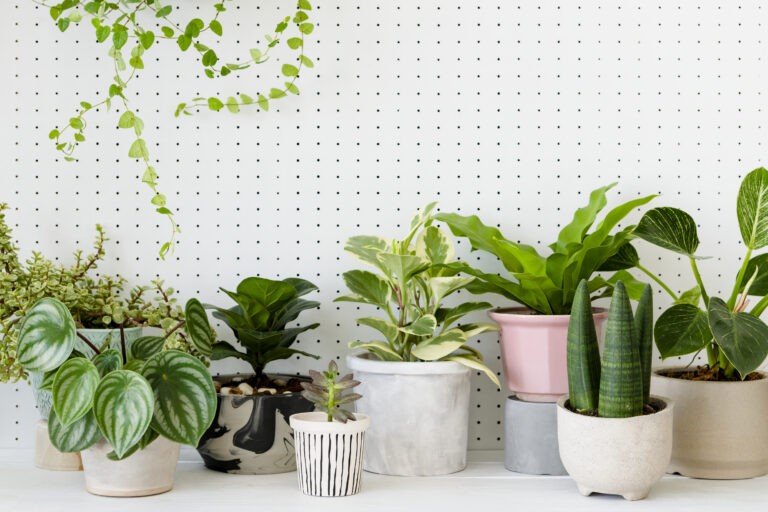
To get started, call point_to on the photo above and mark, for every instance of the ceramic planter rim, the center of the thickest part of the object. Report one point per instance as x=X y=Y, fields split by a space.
x=363 y=363
x=316 y=422
x=524 y=314
x=102 y=329
x=669 y=406
x=246 y=376
x=656 y=375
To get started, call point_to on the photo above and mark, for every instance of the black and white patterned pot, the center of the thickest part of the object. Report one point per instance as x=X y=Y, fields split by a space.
x=329 y=455
x=251 y=435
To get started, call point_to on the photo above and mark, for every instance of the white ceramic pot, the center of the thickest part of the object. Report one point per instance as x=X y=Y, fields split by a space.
x=146 y=472
x=721 y=428
x=419 y=415
x=48 y=457
x=329 y=455
x=623 y=456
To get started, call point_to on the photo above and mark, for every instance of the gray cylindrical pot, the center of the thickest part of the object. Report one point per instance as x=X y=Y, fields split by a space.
x=419 y=415
x=530 y=438
x=251 y=435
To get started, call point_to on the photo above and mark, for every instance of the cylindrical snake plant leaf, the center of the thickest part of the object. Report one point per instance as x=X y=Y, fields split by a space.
x=621 y=377
x=583 y=353
x=644 y=334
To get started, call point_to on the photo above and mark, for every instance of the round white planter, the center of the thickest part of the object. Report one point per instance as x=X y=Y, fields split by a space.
x=623 y=456
x=329 y=455
x=146 y=472
x=721 y=428
x=419 y=415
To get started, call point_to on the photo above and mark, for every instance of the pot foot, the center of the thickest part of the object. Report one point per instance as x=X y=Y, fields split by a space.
x=634 y=496
x=583 y=490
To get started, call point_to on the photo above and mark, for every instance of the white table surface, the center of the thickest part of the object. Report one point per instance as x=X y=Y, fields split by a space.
x=484 y=485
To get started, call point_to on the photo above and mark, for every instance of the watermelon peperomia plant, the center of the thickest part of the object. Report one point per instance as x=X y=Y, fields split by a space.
x=620 y=386
x=129 y=397
x=736 y=341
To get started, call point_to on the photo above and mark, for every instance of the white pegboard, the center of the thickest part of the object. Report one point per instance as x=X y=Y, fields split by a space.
x=511 y=110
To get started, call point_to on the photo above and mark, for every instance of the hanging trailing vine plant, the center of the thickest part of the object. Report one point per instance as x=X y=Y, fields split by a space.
x=122 y=24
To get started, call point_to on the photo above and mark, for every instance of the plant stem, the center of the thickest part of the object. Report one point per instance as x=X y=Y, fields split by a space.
x=177 y=326
x=760 y=307
x=87 y=342
x=331 y=400
x=739 y=279
x=711 y=355
x=122 y=342
x=658 y=280
x=699 y=281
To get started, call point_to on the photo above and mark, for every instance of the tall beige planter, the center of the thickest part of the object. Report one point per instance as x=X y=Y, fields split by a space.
x=48 y=457
x=721 y=428
x=624 y=456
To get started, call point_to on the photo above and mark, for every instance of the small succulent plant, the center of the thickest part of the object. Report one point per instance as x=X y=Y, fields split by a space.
x=328 y=394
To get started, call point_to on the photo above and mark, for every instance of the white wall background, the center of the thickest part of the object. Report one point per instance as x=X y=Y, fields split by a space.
x=511 y=110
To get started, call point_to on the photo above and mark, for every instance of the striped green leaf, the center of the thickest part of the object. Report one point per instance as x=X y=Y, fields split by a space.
x=75 y=437
x=145 y=347
x=198 y=328
x=621 y=375
x=123 y=408
x=583 y=354
x=644 y=333
x=670 y=229
x=184 y=396
x=757 y=266
x=74 y=388
x=680 y=330
x=148 y=437
x=741 y=336
x=108 y=361
x=46 y=336
x=752 y=208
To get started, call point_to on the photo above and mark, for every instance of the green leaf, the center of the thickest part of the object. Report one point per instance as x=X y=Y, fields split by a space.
x=680 y=330
x=434 y=245
x=136 y=62
x=198 y=328
x=127 y=119
x=370 y=288
x=185 y=399
x=255 y=54
x=74 y=388
x=441 y=287
x=306 y=61
x=223 y=350
x=225 y=71
x=294 y=43
x=625 y=258
x=367 y=248
x=119 y=37
x=276 y=93
x=440 y=346
x=79 y=137
x=305 y=5
x=215 y=104
x=742 y=337
x=752 y=209
x=108 y=361
x=63 y=23
x=134 y=365
x=402 y=266
x=167 y=31
x=644 y=333
x=377 y=348
x=300 y=16
x=79 y=435
x=194 y=27
x=291 y=88
x=164 y=11
x=148 y=437
x=475 y=364
x=210 y=58
x=759 y=286
x=290 y=70
x=247 y=100
x=53 y=134
x=46 y=336
x=76 y=123
x=306 y=28
x=184 y=42
x=263 y=102
x=139 y=149
x=583 y=355
x=475 y=329
x=692 y=296
x=232 y=105
x=670 y=229
x=388 y=329
x=102 y=33
x=216 y=27
x=449 y=316
x=423 y=326
x=123 y=407
x=146 y=39
x=158 y=200
x=583 y=219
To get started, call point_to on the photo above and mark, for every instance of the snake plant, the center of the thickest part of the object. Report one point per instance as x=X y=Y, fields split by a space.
x=619 y=387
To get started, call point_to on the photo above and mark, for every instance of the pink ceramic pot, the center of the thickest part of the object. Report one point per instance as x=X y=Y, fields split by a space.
x=533 y=351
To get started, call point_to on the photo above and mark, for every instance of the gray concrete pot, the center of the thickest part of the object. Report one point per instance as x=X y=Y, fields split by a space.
x=419 y=415
x=530 y=438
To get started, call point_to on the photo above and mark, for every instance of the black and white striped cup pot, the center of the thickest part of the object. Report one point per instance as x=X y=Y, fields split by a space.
x=329 y=455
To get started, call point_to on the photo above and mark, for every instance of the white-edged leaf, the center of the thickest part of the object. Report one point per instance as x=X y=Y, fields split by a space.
x=377 y=348
x=439 y=347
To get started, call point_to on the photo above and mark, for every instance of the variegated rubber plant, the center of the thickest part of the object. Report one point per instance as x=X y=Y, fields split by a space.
x=413 y=280
x=129 y=398
x=735 y=340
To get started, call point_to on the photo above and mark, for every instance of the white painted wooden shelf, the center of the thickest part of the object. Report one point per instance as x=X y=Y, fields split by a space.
x=484 y=485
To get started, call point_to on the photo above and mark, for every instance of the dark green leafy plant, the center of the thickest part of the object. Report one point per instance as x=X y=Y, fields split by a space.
x=328 y=394
x=127 y=400
x=736 y=341
x=259 y=320
x=124 y=24
x=547 y=284
x=619 y=387
x=415 y=276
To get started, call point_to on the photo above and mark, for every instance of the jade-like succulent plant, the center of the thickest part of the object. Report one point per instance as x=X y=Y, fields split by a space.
x=620 y=386
x=328 y=394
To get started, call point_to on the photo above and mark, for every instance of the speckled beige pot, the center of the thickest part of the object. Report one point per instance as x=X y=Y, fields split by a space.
x=721 y=428
x=624 y=456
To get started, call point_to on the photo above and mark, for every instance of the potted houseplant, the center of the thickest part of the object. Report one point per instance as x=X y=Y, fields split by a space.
x=105 y=314
x=416 y=382
x=533 y=335
x=615 y=438
x=331 y=440
x=127 y=410
x=724 y=402
x=251 y=433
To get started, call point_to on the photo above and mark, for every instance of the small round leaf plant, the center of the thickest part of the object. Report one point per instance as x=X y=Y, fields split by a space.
x=733 y=336
x=129 y=396
x=130 y=29
x=619 y=387
x=414 y=276
x=329 y=393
